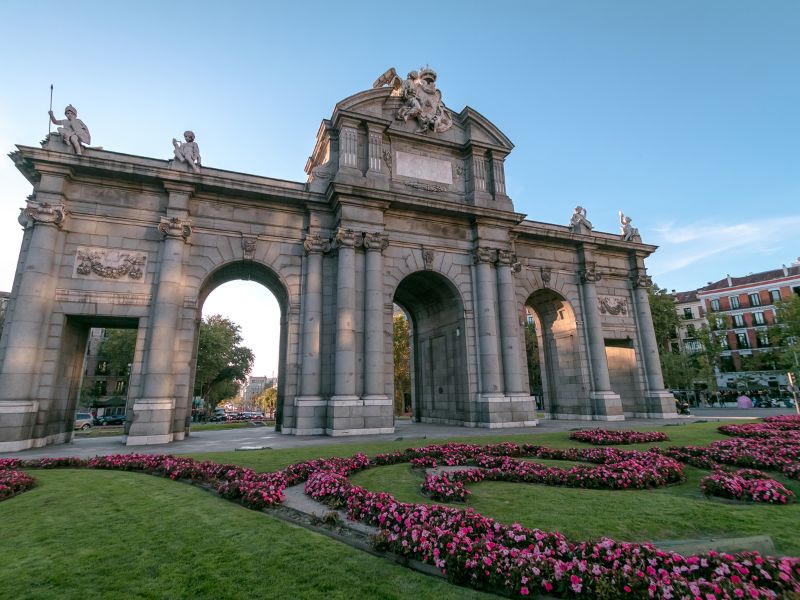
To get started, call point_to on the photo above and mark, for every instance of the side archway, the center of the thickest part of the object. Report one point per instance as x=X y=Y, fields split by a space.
x=564 y=391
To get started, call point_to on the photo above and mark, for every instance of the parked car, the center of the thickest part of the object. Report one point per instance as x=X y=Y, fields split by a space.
x=83 y=421
x=110 y=420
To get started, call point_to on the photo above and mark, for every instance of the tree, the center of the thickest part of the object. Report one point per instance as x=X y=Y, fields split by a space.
x=222 y=362
x=532 y=352
x=267 y=400
x=785 y=335
x=401 y=342
x=666 y=321
x=117 y=349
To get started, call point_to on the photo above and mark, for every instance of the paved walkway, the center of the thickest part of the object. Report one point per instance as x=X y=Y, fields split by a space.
x=226 y=440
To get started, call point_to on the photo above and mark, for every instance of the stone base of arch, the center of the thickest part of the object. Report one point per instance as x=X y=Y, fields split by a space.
x=356 y=415
x=500 y=411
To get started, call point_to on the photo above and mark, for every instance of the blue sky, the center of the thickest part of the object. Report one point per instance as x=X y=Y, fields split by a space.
x=684 y=114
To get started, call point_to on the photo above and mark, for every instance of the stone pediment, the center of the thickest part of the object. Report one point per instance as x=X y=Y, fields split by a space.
x=379 y=139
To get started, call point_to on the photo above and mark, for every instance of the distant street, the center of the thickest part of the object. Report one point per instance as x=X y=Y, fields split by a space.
x=226 y=440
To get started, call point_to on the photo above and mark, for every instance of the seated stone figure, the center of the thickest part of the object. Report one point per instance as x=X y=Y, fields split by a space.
x=628 y=232
x=73 y=131
x=189 y=151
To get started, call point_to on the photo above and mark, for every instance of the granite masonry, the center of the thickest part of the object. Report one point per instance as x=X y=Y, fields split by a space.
x=405 y=203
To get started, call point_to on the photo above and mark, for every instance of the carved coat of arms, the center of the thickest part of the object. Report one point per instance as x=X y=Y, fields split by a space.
x=421 y=100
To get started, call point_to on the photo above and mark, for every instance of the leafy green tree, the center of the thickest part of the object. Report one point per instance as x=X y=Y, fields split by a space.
x=222 y=362
x=785 y=335
x=402 y=360
x=117 y=349
x=267 y=400
x=665 y=320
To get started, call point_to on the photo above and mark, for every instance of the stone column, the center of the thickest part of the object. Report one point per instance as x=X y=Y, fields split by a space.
x=153 y=412
x=491 y=384
x=23 y=336
x=310 y=407
x=509 y=324
x=374 y=348
x=344 y=407
x=606 y=405
x=659 y=403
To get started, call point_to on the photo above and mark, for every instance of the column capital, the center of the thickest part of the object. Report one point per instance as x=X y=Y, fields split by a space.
x=42 y=213
x=590 y=274
x=314 y=243
x=344 y=237
x=484 y=254
x=174 y=227
x=509 y=259
x=640 y=279
x=376 y=241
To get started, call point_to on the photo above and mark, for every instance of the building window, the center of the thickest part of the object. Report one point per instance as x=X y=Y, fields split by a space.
x=687 y=313
x=755 y=300
x=715 y=305
x=529 y=316
x=742 y=341
x=720 y=322
x=775 y=295
x=758 y=318
x=734 y=300
x=119 y=388
x=694 y=347
x=102 y=368
x=723 y=342
x=100 y=388
x=796 y=290
x=763 y=339
x=691 y=331
x=738 y=320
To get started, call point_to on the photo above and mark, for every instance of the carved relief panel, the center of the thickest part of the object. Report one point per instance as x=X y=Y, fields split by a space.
x=109 y=264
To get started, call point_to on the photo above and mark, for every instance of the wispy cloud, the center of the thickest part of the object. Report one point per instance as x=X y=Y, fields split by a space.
x=685 y=244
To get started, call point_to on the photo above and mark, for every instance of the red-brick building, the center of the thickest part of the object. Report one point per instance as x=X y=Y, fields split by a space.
x=743 y=309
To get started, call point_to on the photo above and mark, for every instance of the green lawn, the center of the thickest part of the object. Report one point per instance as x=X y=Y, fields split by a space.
x=103 y=534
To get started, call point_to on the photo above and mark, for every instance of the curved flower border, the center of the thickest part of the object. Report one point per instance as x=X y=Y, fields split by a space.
x=474 y=550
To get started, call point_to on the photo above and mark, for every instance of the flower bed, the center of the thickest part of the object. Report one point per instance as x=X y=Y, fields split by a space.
x=783 y=426
x=474 y=550
x=14 y=482
x=611 y=437
x=745 y=484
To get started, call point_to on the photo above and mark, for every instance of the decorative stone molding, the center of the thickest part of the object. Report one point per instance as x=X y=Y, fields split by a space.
x=387 y=158
x=590 y=274
x=248 y=248
x=509 y=259
x=613 y=305
x=44 y=213
x=376 y=241
x=427 y=187
x=484 y=254
x=640 y=279
x=173 y=227
x=345 y=237
x=88 y=297
x=106 y=263
x=546 y=274
x=314 y=243
x=427 y=258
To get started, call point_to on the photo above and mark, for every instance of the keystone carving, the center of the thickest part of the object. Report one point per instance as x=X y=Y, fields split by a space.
x=248 y=248
x=173 y=227
x=427 y=258
x=375 y=241
x=42 y=212
x=546 y=273
x=109 y=264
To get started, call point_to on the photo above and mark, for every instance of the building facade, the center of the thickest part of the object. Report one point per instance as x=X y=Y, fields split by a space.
x=405 y=203
x=739 y=312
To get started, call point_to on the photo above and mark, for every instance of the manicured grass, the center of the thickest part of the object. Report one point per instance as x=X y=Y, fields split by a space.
x=104 y=534
x=100 y=534
x=218 y=426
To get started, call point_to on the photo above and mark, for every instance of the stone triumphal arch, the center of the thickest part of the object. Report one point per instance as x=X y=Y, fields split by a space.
x=405 y=203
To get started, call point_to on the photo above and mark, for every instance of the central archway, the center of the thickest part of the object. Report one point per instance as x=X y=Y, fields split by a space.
x=263 y=275
x=439 y=383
